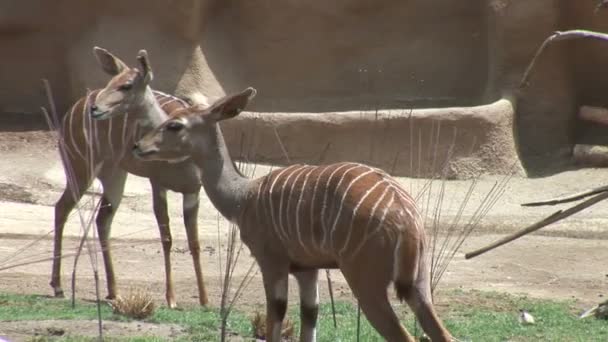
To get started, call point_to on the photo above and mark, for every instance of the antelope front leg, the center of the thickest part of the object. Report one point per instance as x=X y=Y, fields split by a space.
x=191 y=204
x=309 y=304
x=275 y=285
x=159 y=199
x=113 y=182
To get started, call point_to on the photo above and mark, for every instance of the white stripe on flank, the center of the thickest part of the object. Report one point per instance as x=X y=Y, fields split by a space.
x=344 y=194
x=312 y=206
x=283 y=230
x=72 y=133
x=288 y=212
x=298 y=232
x=385 y=211
x=409 y=207
x=274 y=182
x=354 y=215
x=331 y=175
x=325 y=231
x=371 y=216
x=396 y=258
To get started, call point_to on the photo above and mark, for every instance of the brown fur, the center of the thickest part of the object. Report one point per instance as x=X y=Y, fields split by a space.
x=302 y=218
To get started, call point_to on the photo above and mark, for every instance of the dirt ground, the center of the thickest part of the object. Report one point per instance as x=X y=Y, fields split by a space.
x=564 y=261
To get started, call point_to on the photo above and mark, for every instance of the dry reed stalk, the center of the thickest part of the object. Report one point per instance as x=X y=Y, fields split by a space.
x=54 y=123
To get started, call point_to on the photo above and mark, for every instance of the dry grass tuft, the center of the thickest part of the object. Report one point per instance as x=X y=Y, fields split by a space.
x=258 y=325
x=137 y=304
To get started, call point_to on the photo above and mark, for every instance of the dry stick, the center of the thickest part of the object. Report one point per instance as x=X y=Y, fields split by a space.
x=276 y=134
x=569 y=198
x=557 y=216
x=55 y=124
x=331 y=297
x=358 y=321
x=558 y=36
x=67 y=255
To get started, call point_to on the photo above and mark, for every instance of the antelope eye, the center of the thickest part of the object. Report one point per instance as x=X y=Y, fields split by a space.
x=174 y=126
x=125 y=86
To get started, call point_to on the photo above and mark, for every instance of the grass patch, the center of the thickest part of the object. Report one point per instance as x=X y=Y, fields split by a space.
x=470 y=316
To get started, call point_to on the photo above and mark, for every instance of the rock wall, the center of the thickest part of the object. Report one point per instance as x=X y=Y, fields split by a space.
x=318 y=61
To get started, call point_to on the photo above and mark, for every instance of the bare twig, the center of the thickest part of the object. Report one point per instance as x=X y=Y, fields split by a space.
x=557 y=216
x=568 y=198
x=556 y=37
x=276 y=133
x=54 y=124
x=331 y=297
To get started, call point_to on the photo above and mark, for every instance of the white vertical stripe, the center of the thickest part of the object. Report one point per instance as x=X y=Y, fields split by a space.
x=371 y=216
x=274 y=224
x=312 y=205
x=396 y=256
x=283 y=230
x=333 y=228
x=354 y=214
x=327 y=232
x=298 y=216
x=73 y=132
x=331 y=175
x=299 y=172
x=384 y=212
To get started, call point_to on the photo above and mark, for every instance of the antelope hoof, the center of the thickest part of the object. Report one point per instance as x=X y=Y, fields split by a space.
x=203 y=301
x=59 y=293
x=171 y=302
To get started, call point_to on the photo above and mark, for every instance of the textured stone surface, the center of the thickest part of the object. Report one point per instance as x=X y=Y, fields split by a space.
x=327 y=57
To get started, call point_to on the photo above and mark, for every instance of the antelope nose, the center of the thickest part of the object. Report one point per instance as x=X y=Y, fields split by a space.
x=135 y=146
x=93 y=108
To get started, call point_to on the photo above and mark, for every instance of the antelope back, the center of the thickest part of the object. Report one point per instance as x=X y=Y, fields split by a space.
x=333 y=210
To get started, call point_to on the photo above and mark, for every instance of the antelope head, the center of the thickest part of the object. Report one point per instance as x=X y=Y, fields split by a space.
x=190 y=129
x=126 y=89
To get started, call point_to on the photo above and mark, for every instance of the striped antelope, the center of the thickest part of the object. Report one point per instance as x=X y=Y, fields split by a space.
x=101 y=149
x=301 y=218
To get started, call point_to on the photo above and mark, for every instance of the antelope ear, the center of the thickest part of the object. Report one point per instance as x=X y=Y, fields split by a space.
x=231 y=105
x=144 y=61
x=108 y=62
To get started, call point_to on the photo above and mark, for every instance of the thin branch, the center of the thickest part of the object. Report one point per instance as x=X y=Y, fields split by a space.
x=568 y=198
x=556 y=37
x=557 y=216
x=276 y=133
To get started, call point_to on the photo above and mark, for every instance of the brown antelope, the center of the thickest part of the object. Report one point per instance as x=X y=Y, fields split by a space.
x=301 y=218
x=101 y=149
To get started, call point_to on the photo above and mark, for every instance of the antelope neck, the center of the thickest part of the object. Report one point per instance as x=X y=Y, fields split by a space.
x=149 y=113
x=226 y=187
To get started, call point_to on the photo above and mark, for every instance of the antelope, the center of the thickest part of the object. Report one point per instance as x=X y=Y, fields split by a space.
x=125 y=108
x=301 y=218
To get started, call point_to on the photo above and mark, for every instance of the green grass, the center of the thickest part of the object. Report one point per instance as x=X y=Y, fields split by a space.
x=470 y=316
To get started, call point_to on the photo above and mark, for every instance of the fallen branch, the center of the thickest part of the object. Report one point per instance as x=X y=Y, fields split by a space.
x=556 y=37
x=569 y=198
x=557 y=216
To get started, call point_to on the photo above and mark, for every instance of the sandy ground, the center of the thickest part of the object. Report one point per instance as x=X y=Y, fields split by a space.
x=563 y=261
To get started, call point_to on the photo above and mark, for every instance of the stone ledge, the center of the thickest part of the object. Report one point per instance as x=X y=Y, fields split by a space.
x=404 y=142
